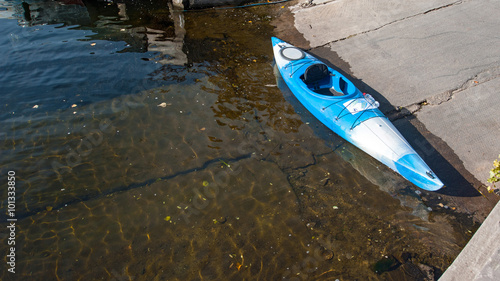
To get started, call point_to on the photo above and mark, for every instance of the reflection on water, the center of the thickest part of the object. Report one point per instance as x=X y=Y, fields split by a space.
x=155 y=145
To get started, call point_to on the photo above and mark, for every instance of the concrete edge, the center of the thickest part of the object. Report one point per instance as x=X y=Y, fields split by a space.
x=480 y=258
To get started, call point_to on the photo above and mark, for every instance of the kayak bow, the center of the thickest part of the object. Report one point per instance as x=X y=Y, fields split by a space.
x=353 y=115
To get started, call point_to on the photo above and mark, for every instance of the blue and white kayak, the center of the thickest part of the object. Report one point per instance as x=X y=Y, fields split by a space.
x=353 y=115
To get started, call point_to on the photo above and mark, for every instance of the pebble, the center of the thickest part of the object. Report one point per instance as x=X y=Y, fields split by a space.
x=311 y=225
x=327 y=254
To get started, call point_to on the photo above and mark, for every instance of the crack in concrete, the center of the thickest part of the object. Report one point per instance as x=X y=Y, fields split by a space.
x=88 y=197
x=290 y=175
x=438 y=99
x=392 y=22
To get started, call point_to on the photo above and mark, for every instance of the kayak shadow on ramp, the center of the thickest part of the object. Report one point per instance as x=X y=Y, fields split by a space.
x=435 y=152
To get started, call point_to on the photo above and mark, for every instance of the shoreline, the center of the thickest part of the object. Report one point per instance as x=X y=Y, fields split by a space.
x=421 y=67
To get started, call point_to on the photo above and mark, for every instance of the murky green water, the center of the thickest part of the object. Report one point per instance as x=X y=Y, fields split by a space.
x=155 y=145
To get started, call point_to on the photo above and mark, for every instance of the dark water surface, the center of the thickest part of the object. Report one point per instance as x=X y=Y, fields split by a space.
x=151 y=144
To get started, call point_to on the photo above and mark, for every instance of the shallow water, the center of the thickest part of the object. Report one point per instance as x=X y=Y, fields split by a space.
x=150 y=144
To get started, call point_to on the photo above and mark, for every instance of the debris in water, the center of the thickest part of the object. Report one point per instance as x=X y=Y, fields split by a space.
x=164 y=104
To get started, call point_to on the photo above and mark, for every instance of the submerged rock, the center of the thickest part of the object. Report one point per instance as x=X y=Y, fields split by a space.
x=387 y=263
x=327 y=254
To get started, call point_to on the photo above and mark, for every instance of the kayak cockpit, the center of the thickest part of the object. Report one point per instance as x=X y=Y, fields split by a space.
x=319 y=79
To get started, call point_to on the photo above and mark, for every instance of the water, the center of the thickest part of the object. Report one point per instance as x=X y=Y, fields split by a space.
x=149 y=144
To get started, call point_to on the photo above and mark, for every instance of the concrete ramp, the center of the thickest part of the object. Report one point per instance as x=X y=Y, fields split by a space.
x=326 y=21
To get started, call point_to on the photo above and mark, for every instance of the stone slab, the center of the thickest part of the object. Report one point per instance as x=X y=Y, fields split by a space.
x=470 y=124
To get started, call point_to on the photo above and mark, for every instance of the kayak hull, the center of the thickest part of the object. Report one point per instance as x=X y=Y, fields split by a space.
x=351 y=114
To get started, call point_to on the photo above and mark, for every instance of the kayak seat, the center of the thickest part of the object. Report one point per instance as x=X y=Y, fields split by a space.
x=315 y=73
x=317 y=77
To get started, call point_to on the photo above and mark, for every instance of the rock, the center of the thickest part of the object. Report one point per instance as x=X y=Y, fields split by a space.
x=311 y=225
x=428 y=271
x=387 y=263
x=413 y=271
x=405 y=256
x=327 y=254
